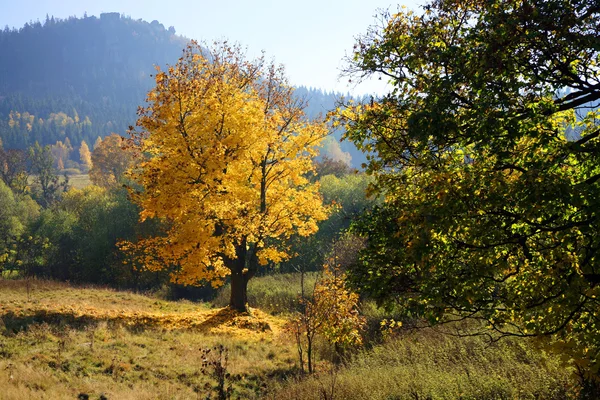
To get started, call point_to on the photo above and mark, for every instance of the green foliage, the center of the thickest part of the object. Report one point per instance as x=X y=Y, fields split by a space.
x=490 y=212
x=16 y=213
x=76 y=239
x=47 y=186
x=348 y=194
x=13 y=169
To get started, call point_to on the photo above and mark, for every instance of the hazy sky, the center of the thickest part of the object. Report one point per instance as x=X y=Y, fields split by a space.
x=310 y=37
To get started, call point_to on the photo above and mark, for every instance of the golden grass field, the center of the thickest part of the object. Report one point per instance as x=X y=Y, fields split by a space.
x=46 y=301
x=61 y=341
x=58 y=341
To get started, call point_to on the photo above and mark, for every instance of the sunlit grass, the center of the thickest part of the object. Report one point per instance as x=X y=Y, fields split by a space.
x=58 y=341
x=430 y=365
x=150 y=364
x=78 y=181
x=26 y=301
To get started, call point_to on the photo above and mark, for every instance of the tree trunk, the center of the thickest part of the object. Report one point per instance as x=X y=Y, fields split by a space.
x=239 y=288
x=239 y=279
x=309 y=351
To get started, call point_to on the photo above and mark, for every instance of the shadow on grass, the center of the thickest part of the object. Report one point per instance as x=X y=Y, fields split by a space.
x=136 y=323
x=226 y=317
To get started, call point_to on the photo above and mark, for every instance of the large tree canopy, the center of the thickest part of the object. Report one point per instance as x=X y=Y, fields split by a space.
x=229 y=150
x=487 y=151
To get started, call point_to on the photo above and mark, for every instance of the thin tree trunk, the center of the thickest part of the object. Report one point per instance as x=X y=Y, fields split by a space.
x=309 y=352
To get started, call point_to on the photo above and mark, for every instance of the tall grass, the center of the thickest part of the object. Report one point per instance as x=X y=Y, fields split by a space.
x=430 y=365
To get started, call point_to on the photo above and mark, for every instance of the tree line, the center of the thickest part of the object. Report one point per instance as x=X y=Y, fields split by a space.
x=52 y=230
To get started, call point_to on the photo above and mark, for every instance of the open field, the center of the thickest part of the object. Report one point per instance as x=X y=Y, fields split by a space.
x=65 y=341
x=60 y=342
x=79 y=181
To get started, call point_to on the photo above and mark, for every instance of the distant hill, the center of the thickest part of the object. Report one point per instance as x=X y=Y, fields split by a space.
x=83 y=78
x=54 y=75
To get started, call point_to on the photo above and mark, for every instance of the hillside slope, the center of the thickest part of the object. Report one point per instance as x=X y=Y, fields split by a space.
x=84 y=78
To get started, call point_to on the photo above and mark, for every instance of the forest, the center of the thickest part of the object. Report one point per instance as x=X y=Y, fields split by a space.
x=178 y=221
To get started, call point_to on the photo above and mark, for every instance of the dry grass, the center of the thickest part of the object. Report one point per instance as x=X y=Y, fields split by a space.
x=125 y=365
x=59 y=341
x=428 y=364
x=79 y=181
x=64 y=341
x=23 y=302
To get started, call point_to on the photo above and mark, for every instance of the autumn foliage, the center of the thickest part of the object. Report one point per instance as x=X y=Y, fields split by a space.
x=110 y=159
x=85 y=155
x=331 y=313
x=225 y=151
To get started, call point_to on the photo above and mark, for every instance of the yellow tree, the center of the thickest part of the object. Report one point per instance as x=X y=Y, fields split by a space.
x=110 y=160
x=227 y=150
x=85 y=155
x=97 y=142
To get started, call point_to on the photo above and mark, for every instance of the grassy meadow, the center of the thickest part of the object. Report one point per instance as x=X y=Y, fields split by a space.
x=61 y=342
x=79 y=181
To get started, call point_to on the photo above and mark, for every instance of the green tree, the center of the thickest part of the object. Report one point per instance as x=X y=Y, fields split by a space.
x=16 y=213
x=13 y=169
x=51 y=249
x=102 y=218
x=490 y=211
x=348 y=197
x=76 y=239
x=48 y=186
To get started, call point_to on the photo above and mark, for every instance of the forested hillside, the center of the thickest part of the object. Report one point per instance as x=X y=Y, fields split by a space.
x=78 y=79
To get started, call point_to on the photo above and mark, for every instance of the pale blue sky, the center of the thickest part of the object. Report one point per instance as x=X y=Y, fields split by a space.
x=310 y=37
